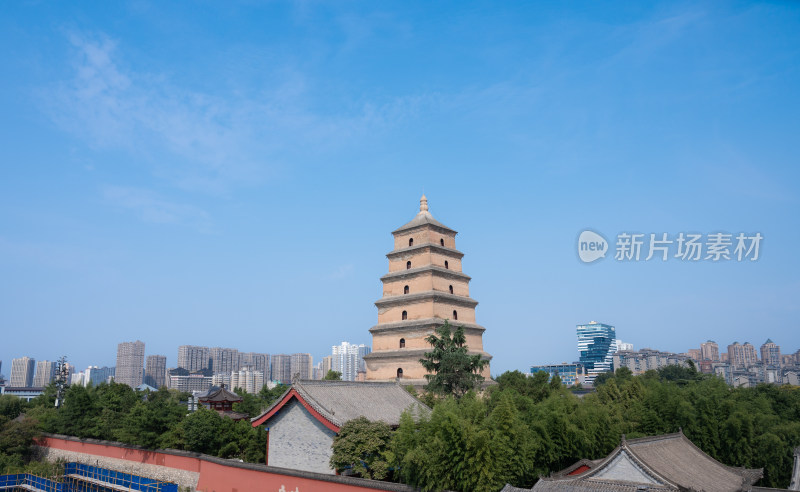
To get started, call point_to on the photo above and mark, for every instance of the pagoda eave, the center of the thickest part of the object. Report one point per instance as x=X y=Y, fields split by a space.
x=413 y=353
x=429 y=295
x=413 y=272
x=453 y=253
x=424 y=323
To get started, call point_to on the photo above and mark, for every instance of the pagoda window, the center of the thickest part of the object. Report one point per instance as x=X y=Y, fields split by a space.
x=451 y=289
x=405 y=315
x=408 y=265
x=446 y=265
x=410 y=242
x=405 y=290
x=441 y=241
x=455 y=314
x=402 y=343
x=399 y=373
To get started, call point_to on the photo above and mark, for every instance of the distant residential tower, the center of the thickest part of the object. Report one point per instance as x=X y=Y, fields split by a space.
x=130 y=363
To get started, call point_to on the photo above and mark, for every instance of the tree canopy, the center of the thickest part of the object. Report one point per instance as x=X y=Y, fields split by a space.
x=453 y=371
x=333 y=375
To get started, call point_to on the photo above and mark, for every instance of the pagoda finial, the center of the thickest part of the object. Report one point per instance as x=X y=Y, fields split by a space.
x=423 y=204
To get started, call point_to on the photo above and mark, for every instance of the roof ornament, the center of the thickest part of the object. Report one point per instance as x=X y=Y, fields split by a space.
x=423 y=204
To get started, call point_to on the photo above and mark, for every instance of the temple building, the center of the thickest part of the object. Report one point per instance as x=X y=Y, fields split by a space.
x=221 y=400
x=658 y=463
x=424 y=287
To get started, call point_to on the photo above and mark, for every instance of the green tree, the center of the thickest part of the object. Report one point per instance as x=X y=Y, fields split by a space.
x=453 y=371
x=623 y=373
x=202 y=431
x=268 y=396
x=363 y=446
x=16 y=444
x=250 y=405
x=10 y=406
x=602 y=378
x=149 y=421
x=333 y=375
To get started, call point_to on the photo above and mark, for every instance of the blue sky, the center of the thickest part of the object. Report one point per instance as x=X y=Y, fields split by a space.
x=228 y=175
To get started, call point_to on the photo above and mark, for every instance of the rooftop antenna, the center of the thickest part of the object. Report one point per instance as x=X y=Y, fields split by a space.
x=62 y=373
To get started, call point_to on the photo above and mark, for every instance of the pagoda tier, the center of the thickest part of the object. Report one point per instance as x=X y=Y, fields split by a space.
x=424 y=287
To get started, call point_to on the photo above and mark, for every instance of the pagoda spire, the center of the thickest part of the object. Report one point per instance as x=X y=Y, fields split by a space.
x=423 y=204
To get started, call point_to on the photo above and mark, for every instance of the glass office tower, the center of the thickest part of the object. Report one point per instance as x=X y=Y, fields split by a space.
x=597 y=343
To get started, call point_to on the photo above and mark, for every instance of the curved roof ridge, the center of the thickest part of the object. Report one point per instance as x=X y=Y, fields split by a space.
x=660 y=437
x=638 y=459
x=623 y=447
x=278 y=401
x=753 y=474
x=322 y=409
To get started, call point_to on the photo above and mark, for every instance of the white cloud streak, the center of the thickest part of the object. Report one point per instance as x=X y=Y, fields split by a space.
x=153 y=208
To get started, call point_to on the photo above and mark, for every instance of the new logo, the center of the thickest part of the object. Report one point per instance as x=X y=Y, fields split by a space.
x=591 y=246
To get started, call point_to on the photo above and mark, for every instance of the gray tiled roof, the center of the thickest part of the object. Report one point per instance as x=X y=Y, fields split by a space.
x=677 y=459
x=591 y=484
x=220 y=394
x=672 y=460
x=511 y=488
x=341 y=401
x=422 y=218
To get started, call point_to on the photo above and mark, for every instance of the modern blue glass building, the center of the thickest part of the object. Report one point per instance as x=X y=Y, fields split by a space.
x=597 y=343
x=570 y=374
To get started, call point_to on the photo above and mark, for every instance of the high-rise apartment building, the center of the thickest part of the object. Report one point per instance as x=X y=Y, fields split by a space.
x=194 y=358
x=327 y=364
x=424 y=287
x=597 y=343
x=255 y=361
x=771 y=353
x=348 y=359
x=224 y=360
x=96 y=375
x=281 y=368
x=742 y=355
x=130 y=363
x=709 y=351
x=624 y=346
x=182 y=381
x=648 y=359
x=22 y=370
x=155 y=371
x=219 y=379
x=249 y=380
x=301 y=366
x=45 y=373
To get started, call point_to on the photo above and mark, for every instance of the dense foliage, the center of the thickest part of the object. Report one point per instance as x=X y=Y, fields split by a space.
x=517 y=430
x=362 y=447
x=525 y=427
x=115 y=412
x=333 y=375
x=452 y=370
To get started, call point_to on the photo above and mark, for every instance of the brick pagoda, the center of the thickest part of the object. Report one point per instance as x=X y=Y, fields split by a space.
x=424 y=287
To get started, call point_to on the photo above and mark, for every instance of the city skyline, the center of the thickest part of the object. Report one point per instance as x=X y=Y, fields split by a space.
x=241 y=174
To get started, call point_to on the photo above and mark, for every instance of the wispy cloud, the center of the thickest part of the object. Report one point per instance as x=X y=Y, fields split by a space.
x=155 y=209
x=196 y=140
x=343 y=271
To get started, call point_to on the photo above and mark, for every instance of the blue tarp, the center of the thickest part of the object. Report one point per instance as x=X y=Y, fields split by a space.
x=99 y=475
